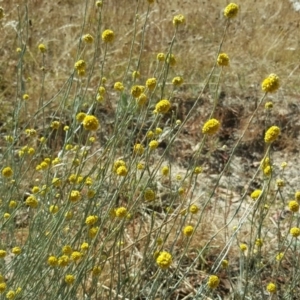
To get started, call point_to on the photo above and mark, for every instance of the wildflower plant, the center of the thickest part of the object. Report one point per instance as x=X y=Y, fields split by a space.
x=96 y=192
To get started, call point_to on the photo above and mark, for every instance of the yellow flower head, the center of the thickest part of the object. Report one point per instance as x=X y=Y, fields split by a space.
x=297 y=196
x=177 y=81
x=193 y=209
x=2 y=253
x=151 y=83
x=271 y=288
x=31 y=201
x=223 y=60
x=16 y=250
x=1 y=12
x=122 y=171
x=178 y=20
x=211 y=127
x=136 y=74
x=91 y=220
x=270 y=84
x=171 y=60
x=90 y=123
x=88 y=38
x=225 y=263
x=280 y=183
x=7 y=172
x=160 y=57
x=255 y=194
x=69 y=279
x=54 y=209
x=138 y=149
x=295 y=231
x=269 y=105
x=272 y=134
x=42 y=48
x=117 y=164
x=118 y=86
x=80 y=65
x=188 y=230
x=165 y=170
x=231 y=10
x=52 y=261
x=153 y=144
x=10 y=295
x=163 y=106
x=294 y=206
x=213 y=281
x=137 y=90
x=243 y=247
x=99 y=3
x=74 y=196
x=108 y=36
x=149 y=195
x=141 y=100
x=76 y=255
x=164 y=260
x=121 y=212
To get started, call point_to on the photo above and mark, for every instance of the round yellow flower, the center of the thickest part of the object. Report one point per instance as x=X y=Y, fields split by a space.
x=108 y=36
x=76 y=255
x=91 y=220
x=54 y=209
x=2 y=287
x=84 y=246
x=137 y=90
x=90 y=123
x=188 y=230
x=2 y=253
x=63 y=260
x=269 y=105
x=31 y=201
x=271 y=288
x=7 y=172
x=141 y=100
x=211 y=127
x=80 y=65
x=177 y=81
x=223 y=60
x=42 y=48
x=151 y=83
x=118 y=86
x=231 y=10
x=16 y=250
x=163 y=106
x=89 y=39
x=272 y=134
x=122 y=171
x=136 y=74
x=213 y=281
x=294 y=206
x=270 y=84
x=193 y=209
x=164 y=260
x=259 y=242
x=178 y=20
x=74 y=196
x=149 y=195
x=10 y=295
x=255 y=194
x=117 y=164
x=165 y=170
x=225 y=263
x=153 y=144
x=80 y=116
x=93 y=232
x=138 y=149
x=121 y=212
x=69 y=279
x=243 y=247
x=52 y=261
x=297 y=196
x=67 y=249
x=171 y=60
x=295 y=231
x=160 y=57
